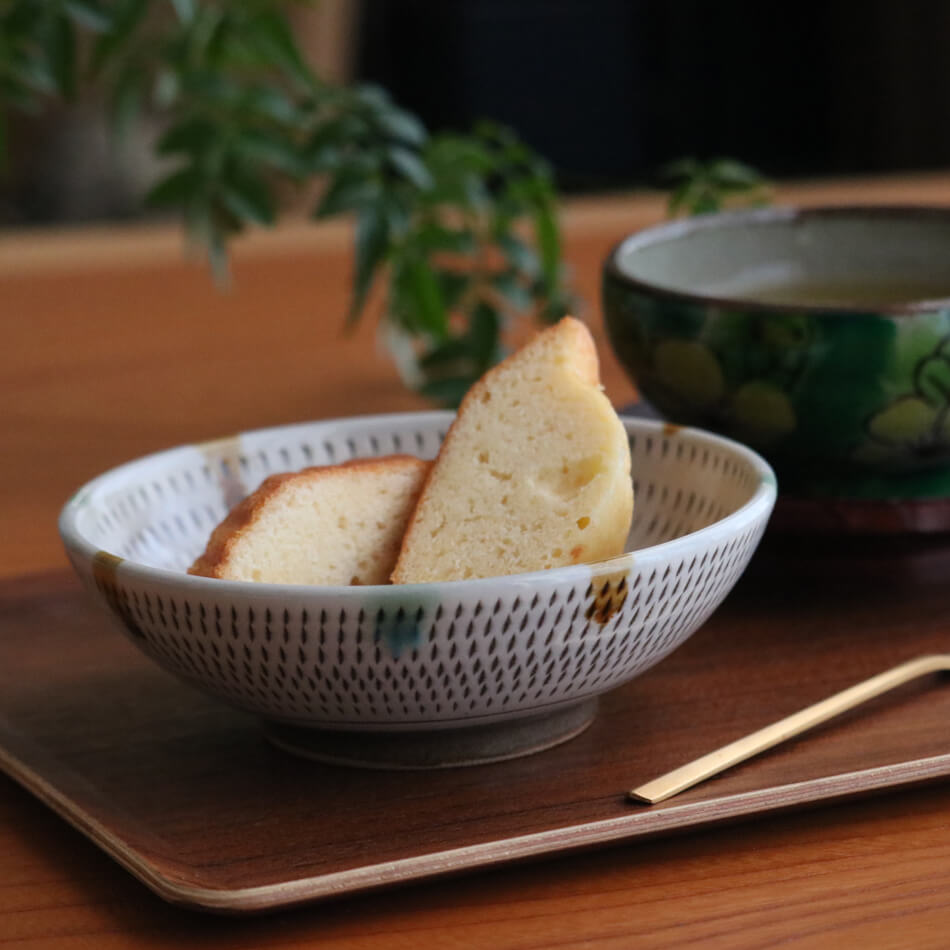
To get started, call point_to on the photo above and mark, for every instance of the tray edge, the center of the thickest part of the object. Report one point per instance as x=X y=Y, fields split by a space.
x=642 y=821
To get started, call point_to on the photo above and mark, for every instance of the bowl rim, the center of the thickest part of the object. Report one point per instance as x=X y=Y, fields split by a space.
x=782 y=214
x=761 y=502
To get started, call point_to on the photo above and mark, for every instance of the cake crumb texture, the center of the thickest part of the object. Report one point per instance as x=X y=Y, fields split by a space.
x=534 y=472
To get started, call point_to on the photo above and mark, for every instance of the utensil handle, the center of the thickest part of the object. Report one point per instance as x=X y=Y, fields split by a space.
x=728 y=755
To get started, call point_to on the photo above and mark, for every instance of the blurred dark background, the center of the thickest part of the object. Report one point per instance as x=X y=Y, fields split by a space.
x=607 y=90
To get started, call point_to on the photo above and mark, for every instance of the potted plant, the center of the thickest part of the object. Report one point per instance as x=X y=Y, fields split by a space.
x=460 y=231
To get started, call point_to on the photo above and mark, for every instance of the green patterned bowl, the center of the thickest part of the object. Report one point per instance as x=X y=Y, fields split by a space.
x=819 y=337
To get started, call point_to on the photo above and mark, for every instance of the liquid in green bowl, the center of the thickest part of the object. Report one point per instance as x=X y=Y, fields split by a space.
x=851 y=293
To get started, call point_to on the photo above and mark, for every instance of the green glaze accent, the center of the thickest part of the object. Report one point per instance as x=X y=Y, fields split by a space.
x=842 y=402
x=400 y=616
x=763 y=411
x=81 y=497
x=915 y=424
x=398 y=633
x=690 y=370
x=908 y=419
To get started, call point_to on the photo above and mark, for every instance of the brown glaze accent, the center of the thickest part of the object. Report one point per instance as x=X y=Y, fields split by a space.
x=187 y=795
x=105 y=568
x=608 y=594
x=671 y=428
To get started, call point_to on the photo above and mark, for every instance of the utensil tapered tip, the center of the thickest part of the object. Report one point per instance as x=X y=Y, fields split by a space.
x=634 y=796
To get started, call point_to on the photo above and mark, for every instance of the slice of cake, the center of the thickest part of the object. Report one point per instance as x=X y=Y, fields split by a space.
x=534 y=471
x=337 y=524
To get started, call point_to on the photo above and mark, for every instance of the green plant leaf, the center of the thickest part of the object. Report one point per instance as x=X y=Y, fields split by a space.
x=399 y=215
x=62 y=56
x=175 y=189
x=705 y=203
x=126 y=18
x=512 y=288
x=88 y=14
x=186 y=10
x=167 y=88
x=448 y=392
x=727 y=171
x=549 y=243
x=210 y=88
x=23 y=18
x=271 y=103
x=402 y=126
x=372 y=97
x=322 y=150
x=348 y=191
x=372 y=243
x=452 y=152
x=18 y=96
x=32 y=72
x=429 y=311
x=333 y=142
x=679 y=197
x=519 y=254
x=433 y=237
x=485 y=335
x=272 y=149
x=191 y=136
x=247 y=197
x=557 y=305
x=698 y=188
x=453 y=285
x=688 y=168
x=410 y=166
x=273 y=35
x=126 y=100
x=447 y=356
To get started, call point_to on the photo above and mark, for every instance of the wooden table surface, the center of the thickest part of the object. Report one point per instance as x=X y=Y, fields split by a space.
x=115 y=346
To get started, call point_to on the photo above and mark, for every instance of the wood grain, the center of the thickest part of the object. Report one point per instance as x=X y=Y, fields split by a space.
x=797 y=724
x=115 y=347
x=188 y=795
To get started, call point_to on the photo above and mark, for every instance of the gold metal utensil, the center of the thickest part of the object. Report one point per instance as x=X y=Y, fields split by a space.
x=728 y=755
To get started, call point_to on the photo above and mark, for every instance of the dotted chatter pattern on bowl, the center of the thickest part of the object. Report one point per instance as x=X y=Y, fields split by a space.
x=457 y=660
x=425 y=654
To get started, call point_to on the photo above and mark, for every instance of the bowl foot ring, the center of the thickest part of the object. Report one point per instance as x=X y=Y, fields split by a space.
x=435 y=748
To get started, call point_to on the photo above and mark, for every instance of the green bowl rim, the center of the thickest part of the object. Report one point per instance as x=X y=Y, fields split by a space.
x=675 y=229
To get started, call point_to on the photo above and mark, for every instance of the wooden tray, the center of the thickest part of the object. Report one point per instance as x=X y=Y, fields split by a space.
x=189 y=797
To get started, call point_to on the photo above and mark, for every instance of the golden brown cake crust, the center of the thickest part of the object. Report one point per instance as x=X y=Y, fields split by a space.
x=243 y=515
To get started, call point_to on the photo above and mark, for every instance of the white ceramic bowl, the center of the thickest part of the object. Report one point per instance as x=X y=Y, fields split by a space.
x=421 y=674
